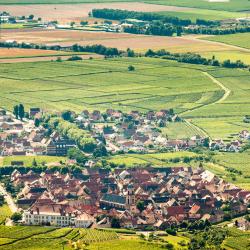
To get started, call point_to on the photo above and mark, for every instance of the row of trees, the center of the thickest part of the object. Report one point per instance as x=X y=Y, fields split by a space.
x=116 y=14
x=194 y=59
x=154 y=28
x=97 y=48
x=19 y=112
x=71 y=131
x=217 y=30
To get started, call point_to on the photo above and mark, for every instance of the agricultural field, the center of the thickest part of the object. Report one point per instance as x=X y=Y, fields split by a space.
x=76 y=12
x=41 y=238
x=240 y=39
x=180 y=130
x=28 y=160
x=193 y=14
x=238 y=161
x=237 y=239
x=233 y=55
x=5 y=212
x=154 y=85
x=155 y=159
x=120 y=40
x=225 y=5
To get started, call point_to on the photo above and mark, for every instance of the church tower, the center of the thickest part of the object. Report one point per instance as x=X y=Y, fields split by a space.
x=130 y=197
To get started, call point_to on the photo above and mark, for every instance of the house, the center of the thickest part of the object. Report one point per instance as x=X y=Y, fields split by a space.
x=59 y=147
x=34 y=111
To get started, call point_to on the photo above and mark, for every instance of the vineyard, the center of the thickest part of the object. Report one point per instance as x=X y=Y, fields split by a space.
x=38 y=238
x=155 y=84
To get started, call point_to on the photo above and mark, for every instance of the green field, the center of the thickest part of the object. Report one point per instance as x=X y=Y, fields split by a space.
x=28 y=160
x=156 y=159
x=43 y=238
x=4 y=213
x=155 y=84
x=205 y=14
x=180 y=130
x=240 y=39
x=233 y=55
x=232 y=5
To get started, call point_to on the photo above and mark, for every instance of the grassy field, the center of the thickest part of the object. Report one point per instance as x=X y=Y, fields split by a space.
x=29 y=159
x=155 y=84
x=240 y=39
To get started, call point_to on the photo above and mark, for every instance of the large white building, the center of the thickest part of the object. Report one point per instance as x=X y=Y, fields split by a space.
x=57 y=215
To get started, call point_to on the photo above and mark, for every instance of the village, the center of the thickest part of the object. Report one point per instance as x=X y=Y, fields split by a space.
x=118 y=132
x=147 y=198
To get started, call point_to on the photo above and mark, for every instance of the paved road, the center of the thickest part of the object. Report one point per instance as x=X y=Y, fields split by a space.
x=8 y=199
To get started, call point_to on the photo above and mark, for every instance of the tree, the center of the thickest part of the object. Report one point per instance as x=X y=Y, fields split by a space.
x=66 y=115
x=115 y=223
x=15 y=111
x=16 y=216
x=84 y=23
x=34 y=163
x=140 y=205
x=131 y=68
x=31 y=17
x=21 y=111
x=37 y=122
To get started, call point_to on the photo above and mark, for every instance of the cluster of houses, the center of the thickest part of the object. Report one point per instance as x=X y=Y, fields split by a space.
x=232 y=146
x=134 y=131
x=6 y=17
x=167 y=196
x=20 y=138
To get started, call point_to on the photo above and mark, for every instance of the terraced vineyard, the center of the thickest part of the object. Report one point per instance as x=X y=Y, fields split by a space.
x=49 y=238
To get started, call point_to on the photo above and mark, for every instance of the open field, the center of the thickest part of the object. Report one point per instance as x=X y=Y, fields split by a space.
x=29 y=159
x=240 y=39
x=228 y=5
x=16 y=52
x=233 y=55
x=120 y=40
x=225 y=5
x=155 y=84
x=77 y=12
x=156 y=159
x=194 y=14
x=102 y=84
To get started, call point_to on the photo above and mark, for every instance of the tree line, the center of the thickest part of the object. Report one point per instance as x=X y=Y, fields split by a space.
x=217 y=30
x=116 y=14
x=194 y=59
x=97 y=48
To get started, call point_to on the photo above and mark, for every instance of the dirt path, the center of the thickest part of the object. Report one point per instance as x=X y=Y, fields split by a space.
x=227 y=92
x=221 y=85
